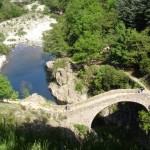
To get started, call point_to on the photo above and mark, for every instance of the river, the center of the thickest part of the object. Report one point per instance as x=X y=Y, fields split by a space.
x=26 y=69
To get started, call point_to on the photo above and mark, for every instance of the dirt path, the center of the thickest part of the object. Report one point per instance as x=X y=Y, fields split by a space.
x=136 y=80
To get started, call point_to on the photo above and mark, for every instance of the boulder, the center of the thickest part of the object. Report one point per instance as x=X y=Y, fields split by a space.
x=34 y=100
x=50 y=64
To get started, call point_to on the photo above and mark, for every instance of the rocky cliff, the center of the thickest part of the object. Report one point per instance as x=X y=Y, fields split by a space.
x=65 y=82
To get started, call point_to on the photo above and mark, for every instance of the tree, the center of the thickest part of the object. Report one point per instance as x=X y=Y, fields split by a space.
x=6 y=90
x=134 y=13
x=108 y=78
x=129 y=48
x=145 y=119
x=54 y=42
x=56 y=6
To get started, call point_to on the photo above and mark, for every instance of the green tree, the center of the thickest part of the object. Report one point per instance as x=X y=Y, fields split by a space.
x=56 y=6
x=134 y=13
x=54 y=41
x=6 y=90
x=145 y=119
x=10 y=10
x=129 y=48
x=108 y=78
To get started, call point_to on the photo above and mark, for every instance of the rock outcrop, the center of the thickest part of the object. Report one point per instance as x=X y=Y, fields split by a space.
x=2 y=60
x=64 y=86
x=35 y=100
x=50 y=64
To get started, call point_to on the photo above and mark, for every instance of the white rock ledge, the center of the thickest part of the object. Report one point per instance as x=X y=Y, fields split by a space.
x=2 y=60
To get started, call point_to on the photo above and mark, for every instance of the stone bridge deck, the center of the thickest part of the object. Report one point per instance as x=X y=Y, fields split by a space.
x=85 y=112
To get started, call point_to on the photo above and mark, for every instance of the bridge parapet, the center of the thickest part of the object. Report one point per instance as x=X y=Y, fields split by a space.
x=106 y=95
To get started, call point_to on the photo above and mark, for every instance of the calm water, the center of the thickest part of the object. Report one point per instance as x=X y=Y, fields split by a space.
x=26 y=69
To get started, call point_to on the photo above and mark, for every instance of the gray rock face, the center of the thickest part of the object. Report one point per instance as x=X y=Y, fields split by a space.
x=64 y=87
x=61 y=76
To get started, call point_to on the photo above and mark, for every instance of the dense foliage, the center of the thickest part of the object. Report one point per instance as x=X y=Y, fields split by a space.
x=135 y=13
x=108 y=78
x=6 y=90
x=145 y=118
x=10 y=10
x=55 y=6
x=112 y=31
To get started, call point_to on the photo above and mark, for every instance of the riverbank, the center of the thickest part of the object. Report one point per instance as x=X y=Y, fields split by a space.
x=27 y=29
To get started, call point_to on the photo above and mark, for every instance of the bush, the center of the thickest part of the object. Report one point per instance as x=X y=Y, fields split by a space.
x=81 y=128
x=59 y=63
x=79 y=86
x=2 y=37
x=4 y=49
x=21 y=32
x=46 y=11
x=26 y=92
x=34 y=7
x=10 y=10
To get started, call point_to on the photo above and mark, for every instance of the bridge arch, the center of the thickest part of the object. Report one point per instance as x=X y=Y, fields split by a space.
x=123 y=114
x=141 y=99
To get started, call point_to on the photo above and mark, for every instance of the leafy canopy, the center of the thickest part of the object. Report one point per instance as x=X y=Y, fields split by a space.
x=6 y=90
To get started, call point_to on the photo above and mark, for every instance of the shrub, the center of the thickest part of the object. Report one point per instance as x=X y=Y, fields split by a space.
x=2 y=37
x=79 y=86
x=26 y=92
x=59 y=63
x=34 y=7
x=4 y=49
x=20 y=32
x=81 y=128
x=46 y=11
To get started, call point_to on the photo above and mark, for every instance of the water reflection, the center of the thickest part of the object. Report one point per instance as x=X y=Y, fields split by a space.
x=26 y=69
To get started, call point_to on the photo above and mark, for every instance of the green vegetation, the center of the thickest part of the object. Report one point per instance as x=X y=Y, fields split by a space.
x=34 y=7
x=99 y=79
x=79 y=86
x=10 y=10
x=26 y=92
x=95 y=32
x=59 y=63
x=108 y=78
x=4 y=49
x=2 y=37
x=20 y=32
x=145 y=120
x=81 y=128
x=6 y=91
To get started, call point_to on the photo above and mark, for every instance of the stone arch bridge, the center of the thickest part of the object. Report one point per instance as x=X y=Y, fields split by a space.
x=85 y=112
